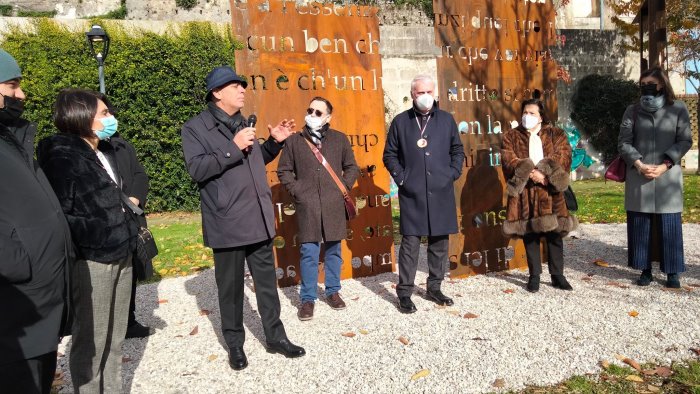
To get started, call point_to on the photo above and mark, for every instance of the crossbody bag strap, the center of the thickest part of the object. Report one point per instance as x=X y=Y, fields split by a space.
x=323 y=161
x=134 y=208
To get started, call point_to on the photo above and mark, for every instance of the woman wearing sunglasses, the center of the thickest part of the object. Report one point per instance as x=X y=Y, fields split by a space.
x=320 y=207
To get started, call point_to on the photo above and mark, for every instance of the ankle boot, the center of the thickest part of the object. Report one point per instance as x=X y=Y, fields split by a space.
x=560 y=282
x=645 y=278
x=533 y=284
x=673 y=281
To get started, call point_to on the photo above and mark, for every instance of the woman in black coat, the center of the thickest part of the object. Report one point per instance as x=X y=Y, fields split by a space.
x=82 y=170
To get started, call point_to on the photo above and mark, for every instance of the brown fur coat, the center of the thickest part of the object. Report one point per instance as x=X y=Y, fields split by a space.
x=534 y=208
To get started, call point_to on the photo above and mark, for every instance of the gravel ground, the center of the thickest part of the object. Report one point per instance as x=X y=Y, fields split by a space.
x=521 y=338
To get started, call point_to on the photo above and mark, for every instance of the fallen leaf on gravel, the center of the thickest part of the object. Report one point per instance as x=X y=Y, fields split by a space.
x=664 y=372
x=457 y=295
x=587 y=279
x=688 y=288
x=204 y=312
x=363 y=331
x=649 y=371
x=452 y=281
x=633 y=313
x=195 y=330
x=499 y=383
x=393 y=286
x=694 y=285
x=601 y=263
x=162 y=301
x=632 y=363
x=454 y=312
x=634 y=378
x=509 y=291
x=605 y=364
x=348 y=334
x=420 y=374
x=653 y=388
x=673 y=348
x=195 y=268
x=479 y=339
x=695 y=350
x=178 y=336
x=404 y=340
x=355 y=298
x=125 y=359
x=212 y=357
x=470 y=316
x=440 y=306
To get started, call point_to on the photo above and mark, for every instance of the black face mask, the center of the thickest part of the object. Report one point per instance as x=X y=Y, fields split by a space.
x=650 y=90
x=13 y=109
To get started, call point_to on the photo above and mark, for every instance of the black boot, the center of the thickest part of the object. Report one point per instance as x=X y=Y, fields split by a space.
x=560 y=282
x=645 y=278
x=673 y=281
x=533 y=284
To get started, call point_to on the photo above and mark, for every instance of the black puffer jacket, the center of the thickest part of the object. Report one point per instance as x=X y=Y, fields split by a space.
x=102 y=231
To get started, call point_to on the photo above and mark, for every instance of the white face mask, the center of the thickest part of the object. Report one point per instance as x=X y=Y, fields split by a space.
x=530 y=121
x=314 y=122
x=424 y=102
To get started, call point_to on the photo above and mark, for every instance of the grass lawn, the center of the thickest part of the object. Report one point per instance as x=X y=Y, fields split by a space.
x=603 y=202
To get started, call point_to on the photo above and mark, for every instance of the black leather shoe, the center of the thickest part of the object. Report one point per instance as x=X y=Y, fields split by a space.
x=406 y=305
x=560 y=282
x=673 y=281
x=137 y=330
x=533 y=284
x=237 y=359
x=285 y=348
x=439 y=298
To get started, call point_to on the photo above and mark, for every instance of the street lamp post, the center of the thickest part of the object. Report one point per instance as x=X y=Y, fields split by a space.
x=99 y=46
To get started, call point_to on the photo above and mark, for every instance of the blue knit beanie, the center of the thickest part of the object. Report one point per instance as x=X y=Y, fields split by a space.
x=9 y=69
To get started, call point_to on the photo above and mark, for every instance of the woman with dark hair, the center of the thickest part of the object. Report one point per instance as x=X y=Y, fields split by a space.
x=81 y=168
x=536 y=162
x=654 y=136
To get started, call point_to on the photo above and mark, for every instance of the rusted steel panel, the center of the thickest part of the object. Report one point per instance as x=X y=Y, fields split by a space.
x=292 y=53
x=494 y=54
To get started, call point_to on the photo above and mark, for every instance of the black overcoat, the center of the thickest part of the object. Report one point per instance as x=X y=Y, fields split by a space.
x=320 y=208
x=236 y=200
x=34 y=247
x=425 y=176
x=101 y=228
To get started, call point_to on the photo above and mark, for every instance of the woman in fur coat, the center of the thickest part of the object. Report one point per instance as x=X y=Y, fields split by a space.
x=536 y=159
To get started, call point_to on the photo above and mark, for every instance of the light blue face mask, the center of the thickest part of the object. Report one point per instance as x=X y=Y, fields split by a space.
x=652 y=103
x=109 y=127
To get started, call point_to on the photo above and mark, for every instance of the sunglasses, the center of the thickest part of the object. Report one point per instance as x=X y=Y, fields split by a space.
x=311 y=111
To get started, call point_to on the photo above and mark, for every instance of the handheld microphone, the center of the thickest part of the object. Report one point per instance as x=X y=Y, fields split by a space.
x=252 y=120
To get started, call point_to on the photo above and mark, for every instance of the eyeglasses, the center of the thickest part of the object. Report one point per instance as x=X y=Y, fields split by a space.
x=311 y=111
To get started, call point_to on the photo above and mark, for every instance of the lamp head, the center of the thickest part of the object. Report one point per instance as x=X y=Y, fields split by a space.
x=98 y=39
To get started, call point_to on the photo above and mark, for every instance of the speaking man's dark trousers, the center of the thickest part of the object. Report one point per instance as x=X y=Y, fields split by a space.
x=229 y=274
x=408 y=263
x=555 y=253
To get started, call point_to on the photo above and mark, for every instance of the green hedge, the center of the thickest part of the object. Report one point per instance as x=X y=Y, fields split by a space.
x=155 y=81
x=597 y=106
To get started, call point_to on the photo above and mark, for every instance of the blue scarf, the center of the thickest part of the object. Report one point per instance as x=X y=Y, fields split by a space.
x=652 y=103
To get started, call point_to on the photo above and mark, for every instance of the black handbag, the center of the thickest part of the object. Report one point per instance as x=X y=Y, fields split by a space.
x=146 y=248
x=570 y=199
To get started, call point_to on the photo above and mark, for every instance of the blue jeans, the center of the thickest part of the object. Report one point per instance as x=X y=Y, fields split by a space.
x=310 y=252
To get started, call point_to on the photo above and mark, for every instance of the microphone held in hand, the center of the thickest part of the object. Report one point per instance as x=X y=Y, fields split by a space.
x=252 y=120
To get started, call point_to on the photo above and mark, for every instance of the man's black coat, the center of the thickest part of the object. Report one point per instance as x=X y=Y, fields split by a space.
x=34 y=247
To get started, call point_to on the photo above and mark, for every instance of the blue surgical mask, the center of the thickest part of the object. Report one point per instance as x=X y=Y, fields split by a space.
x=109 y=127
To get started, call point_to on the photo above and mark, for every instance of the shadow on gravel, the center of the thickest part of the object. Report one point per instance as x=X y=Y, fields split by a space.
x=203 y=287
x=146 y=304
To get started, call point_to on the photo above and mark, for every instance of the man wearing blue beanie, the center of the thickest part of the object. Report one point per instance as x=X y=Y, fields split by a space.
x=34 y=248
